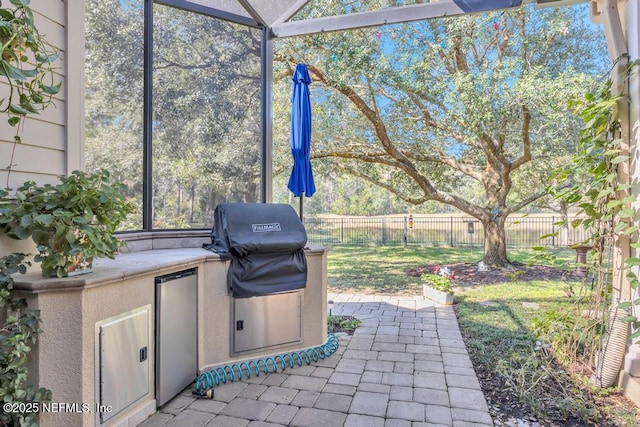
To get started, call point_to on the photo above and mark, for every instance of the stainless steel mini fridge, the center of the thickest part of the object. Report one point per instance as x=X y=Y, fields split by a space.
x=176 y=333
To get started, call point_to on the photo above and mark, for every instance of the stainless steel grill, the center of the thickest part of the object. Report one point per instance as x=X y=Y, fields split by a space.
x=264 y=244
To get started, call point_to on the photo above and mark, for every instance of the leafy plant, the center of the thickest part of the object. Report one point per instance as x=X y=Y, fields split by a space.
x=18 y=332
x=513 y=275
x=76 y=218
x=523 y=373
x=438 y=282
x=346 y=324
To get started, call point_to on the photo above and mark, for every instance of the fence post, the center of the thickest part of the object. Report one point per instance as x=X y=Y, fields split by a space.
x=553 y=231
x=404 y=236
x=451 y=231
x=384 y=230
x=341 y=230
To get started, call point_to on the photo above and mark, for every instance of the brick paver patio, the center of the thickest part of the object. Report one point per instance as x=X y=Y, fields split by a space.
x=405 y=366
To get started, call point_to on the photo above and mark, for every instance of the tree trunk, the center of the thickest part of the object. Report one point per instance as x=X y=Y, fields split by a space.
x=212 y=201
x=565 y=237
x=495 y=248
x=192 y=193
x=179 y=202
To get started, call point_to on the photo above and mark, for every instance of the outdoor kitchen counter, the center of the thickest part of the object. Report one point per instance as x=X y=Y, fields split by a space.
x=126 y=266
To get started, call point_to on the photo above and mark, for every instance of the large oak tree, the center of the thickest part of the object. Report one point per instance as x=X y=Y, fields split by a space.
x=425 y=109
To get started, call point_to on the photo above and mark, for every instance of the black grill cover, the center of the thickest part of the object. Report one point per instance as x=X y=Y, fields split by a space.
x=265 y=244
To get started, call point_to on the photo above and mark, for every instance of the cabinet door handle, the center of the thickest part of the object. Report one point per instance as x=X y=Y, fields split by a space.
x=143 y=354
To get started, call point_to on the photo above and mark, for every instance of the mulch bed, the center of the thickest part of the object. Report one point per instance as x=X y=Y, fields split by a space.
x=467 y=275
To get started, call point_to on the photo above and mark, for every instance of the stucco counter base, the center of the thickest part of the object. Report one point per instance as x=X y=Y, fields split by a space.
x=64 y=360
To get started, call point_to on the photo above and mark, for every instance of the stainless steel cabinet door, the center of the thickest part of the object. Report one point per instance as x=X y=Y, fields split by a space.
x=267 y=321
x=124 y=365
x=177 y=335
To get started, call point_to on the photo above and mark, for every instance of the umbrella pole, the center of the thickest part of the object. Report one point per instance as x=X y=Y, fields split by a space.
x=301 y=204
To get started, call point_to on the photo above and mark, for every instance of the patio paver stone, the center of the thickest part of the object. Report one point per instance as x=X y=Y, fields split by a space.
x=225 y=421
x=191 y=418
x=311 y=417
x=282 y=414
x=279 y=395
x=333 y=402
x=366 y=403
x=411 y=411
x=354 y=420
x=249 y=409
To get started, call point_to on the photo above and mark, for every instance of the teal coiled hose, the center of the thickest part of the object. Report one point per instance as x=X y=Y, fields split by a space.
x=220 y=375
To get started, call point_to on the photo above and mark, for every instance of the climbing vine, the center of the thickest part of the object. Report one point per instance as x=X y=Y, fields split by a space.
x=28 y=65
x=591 y=184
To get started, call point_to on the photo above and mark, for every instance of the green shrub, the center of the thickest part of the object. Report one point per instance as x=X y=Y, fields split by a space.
x=570 y=333
x=19 y=327
x=346 y=324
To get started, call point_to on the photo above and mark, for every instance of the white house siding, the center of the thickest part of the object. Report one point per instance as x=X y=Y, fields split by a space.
x=41 y=155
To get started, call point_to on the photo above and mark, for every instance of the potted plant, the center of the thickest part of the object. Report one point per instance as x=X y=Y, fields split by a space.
x=71 y=223
x=438 y=288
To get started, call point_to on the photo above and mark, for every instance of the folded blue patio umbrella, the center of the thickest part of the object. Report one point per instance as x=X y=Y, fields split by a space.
x=301 y=180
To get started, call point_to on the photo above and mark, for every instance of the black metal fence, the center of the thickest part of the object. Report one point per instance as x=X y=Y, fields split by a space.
x=437 y=231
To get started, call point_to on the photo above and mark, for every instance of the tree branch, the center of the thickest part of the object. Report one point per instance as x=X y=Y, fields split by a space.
x=526 y=141
x=504 y=44
x=490 y=150
x=390 y=188
x=452 y=162
x=380 y=158
x=205 y=66
x=401 y=161
x=525 y=202
x=438 y=196
x=460 y=58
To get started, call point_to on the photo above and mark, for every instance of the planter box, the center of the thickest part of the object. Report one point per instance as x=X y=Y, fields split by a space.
x=436 y=295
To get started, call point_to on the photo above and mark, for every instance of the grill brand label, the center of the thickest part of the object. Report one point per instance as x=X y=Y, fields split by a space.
x=261 y=228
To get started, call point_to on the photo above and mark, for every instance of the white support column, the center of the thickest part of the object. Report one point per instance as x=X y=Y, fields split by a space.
x=615 y=33
x=74 y=85
x=632 y=359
